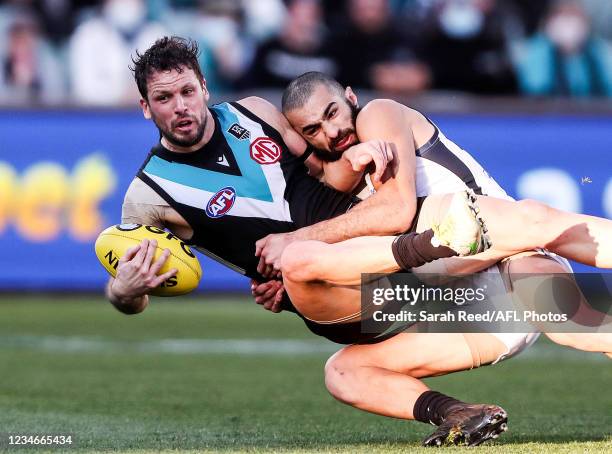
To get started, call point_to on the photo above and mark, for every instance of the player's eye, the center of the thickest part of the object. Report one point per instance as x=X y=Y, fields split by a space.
x=332 y=113
x=162 y=98
x=310 y=131
x=188 y=91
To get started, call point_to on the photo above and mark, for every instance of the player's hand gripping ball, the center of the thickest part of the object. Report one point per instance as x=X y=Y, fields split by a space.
x=113 y=243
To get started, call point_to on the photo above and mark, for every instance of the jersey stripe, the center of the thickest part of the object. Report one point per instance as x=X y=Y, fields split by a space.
x=272 y=172
x=442 y=166
x=448 y=160
x=193 y=177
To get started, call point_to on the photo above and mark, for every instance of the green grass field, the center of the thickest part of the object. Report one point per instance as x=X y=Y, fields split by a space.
x=210 y=375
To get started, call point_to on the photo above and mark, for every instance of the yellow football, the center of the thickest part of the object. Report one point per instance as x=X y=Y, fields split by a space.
x=113 y=243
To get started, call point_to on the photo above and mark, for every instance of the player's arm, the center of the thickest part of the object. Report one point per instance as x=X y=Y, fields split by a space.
x=136 y=271
x=372 y=156
x=395 y=199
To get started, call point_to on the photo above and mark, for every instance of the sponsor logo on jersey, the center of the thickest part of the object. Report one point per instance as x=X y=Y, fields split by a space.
x=265 y=151
x=220 y=203
x=239 y=132
x=222 y=161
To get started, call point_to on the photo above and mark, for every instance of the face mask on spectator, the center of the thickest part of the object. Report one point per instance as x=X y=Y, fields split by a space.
x=461 y=19
x=126 y=15
x=567 y=31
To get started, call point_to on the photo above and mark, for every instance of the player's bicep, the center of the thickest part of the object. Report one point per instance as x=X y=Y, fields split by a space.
x=390 y=124
x=142 y=205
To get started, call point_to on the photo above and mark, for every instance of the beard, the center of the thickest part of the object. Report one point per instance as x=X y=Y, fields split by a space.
x=334 y=155
x=183 y=142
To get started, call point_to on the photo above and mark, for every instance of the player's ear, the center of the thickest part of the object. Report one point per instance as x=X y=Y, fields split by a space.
x=146 y=110
x=351 y=96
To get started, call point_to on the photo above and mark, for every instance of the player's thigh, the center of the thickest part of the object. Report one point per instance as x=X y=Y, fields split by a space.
x=582 y=316
x=422 y=354
x=321 y=302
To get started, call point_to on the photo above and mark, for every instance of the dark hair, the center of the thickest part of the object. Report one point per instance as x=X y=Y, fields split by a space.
x=301 y=88
x=168 y=53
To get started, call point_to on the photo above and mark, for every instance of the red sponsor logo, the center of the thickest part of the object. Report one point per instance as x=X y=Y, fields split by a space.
x=265 y=151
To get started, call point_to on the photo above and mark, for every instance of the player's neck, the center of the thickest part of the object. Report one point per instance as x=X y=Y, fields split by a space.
x=209 y=129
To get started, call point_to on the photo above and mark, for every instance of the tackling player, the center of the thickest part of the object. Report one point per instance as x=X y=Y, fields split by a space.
x=316 y=275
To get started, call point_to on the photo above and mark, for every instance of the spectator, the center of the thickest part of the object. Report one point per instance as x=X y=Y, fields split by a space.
x=227 y=51
x=100 y=49
x=264 y=18
x=372 y=53
x=30 y=71
x=58 y=17
x=600 y=14
x=467 y=47
x=531 y=13
x=298 y=49
x=565 y=58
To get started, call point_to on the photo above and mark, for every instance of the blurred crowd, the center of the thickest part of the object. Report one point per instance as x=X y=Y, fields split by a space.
x=66 y=51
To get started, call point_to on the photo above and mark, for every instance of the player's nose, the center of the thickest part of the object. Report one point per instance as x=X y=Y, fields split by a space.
x=180 y=106
x=330 y=130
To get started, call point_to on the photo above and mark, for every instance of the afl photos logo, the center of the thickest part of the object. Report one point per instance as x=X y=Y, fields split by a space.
x=265 y=151
x=221 y=202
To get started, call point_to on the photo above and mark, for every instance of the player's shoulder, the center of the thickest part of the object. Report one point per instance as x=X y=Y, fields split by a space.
x=264 y=109
x=389 y=106
x=388 y=109
x=256 y=102
x=385 y=113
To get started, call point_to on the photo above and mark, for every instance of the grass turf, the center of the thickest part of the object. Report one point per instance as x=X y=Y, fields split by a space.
x=74 y=365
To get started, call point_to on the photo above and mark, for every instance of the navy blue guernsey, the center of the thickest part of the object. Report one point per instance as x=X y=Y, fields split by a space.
x=239 y=187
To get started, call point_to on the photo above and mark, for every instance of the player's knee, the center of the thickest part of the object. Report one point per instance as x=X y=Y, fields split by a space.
x=340 y=378
x=535 y=216
x=534 y=212
x=299 y=261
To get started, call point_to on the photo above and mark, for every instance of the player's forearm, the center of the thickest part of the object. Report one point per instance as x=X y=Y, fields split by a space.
x=340 y=175
x=126 y=305
x=384 y=213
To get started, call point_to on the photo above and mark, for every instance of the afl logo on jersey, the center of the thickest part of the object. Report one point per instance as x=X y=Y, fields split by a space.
x=265 y=151
x=221 y=203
